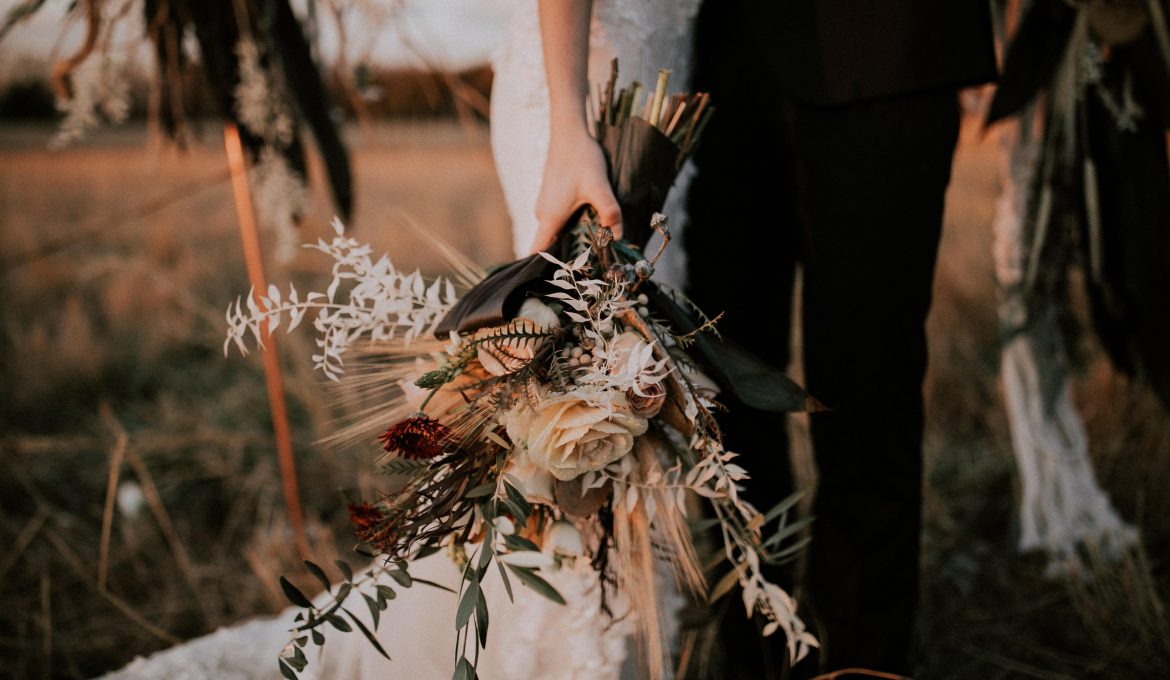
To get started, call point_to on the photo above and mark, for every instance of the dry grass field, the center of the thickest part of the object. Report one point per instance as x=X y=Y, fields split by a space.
x=117 y=261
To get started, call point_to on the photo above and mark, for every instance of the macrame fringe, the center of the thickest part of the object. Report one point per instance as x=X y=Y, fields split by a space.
x=1062 y=507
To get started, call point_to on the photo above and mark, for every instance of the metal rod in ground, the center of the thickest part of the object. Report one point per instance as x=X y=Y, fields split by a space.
x=272 y=374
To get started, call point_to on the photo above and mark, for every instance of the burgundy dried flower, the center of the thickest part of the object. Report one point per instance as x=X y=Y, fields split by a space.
x=371 y=525
x=365 y=516
x=416 y=438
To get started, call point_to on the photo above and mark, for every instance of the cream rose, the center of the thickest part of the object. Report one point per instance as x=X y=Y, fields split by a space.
x=577 y=432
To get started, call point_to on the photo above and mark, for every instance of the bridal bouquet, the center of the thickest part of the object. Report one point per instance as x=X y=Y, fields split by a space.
x=564 y=414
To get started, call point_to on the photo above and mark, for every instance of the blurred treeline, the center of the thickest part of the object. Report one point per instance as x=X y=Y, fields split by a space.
x=379 y=93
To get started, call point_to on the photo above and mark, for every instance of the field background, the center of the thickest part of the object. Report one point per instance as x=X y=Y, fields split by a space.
x=118 y=258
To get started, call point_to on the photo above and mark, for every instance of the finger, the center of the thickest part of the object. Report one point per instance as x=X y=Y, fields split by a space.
x=608 y=210
x=546 y=233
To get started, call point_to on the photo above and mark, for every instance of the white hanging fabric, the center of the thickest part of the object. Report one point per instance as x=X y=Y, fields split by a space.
x=1061 y=505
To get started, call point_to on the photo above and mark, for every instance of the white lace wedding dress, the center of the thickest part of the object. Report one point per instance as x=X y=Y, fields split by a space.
x=532 y=637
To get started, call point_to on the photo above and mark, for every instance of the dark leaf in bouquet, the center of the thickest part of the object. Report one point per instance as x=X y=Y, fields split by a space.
x=507 y=582
x=386 y=593
x=643 y=164
x=319 y=573
x=366 y=631
x=346 y=570
x=495 y=299
x=375 y=609
x=532 y=580
x=520 y=505
x=482 y=490
x=575 y=501
x=467 y=604
x=785 y=532
x=426 y=551
x=287 y=672
x=402 y=577
x=791 y=552
x=464 y=670
x=783 y=506
x=294 y=594
x=737 y=371
x=298 y=660
x=481 y=619
x=1032 y=57
x=485 y=555
x=339 y=623
x=432 y=584
x=518 y=543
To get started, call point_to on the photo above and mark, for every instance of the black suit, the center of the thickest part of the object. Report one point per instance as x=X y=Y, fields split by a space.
x=831 y=146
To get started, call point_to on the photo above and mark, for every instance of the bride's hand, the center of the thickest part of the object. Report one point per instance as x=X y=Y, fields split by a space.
x=574 y=175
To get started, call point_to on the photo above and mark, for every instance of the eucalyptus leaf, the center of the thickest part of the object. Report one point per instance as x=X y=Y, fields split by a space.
x=529 y=578
x=464 y=670
x=343 y=591
x=293 y=594
x=287 y=672
x=339 y=623
x=366 y=631
x=482 y=490
x=786 y=532
x=481 y=618
x=375 y=609
x=298 y=661
x=783 y=506
x=402 y=577
x=319 y=573
x=467 y=604
x=516 y=542
x=791 y=551
x=522 y=503
x=427 y=582
x=507 y=582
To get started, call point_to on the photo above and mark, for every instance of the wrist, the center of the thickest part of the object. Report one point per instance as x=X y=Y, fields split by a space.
x=567 y=125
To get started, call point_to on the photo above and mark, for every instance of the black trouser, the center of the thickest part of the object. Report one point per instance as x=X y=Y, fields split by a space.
x=854 y=193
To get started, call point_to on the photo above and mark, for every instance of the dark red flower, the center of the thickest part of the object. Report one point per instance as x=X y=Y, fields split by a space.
x=365 y=516
x=372 y=526
x=416 y=438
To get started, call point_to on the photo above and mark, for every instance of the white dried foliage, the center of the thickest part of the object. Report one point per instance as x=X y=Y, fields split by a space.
x=383 y=303
x=259 y=105
x=100 y=85
x=280 y=196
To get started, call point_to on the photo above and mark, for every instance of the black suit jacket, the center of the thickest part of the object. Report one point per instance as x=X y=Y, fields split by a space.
x=838 y=51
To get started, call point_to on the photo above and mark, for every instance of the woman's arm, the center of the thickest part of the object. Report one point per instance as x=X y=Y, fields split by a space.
x=574 y=173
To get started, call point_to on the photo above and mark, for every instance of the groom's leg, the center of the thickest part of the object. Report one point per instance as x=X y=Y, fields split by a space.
x=875 y=174
x=741 y=249
x=742 y=240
